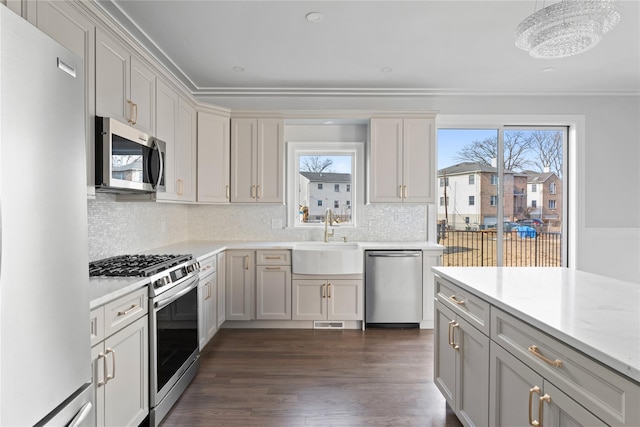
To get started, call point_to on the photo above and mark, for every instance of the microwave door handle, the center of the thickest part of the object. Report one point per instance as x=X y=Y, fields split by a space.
x=161 y=159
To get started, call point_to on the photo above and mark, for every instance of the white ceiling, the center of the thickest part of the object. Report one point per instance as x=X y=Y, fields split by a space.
x=431 y=46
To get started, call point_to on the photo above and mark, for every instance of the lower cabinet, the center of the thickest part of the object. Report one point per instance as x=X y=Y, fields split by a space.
x=327 y=299
x=460 y=366
x=222 y=279
x=120 y=361
x=240 y=290
x=208 y=307
x=273 y=285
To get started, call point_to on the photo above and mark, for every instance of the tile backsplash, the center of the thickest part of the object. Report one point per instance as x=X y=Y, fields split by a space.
x=129 y=227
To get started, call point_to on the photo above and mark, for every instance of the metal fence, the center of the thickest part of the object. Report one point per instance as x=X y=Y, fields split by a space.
x=479 y=248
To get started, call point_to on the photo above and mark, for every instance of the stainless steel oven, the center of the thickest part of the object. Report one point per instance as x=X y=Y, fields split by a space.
x=173 y=333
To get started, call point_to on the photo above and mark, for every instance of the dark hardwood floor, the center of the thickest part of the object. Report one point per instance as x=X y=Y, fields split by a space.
x=318 y=378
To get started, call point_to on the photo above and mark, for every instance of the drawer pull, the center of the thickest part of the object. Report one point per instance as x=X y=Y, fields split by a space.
x=272 y=257
x=456 y=300
x=452 y=334
x=545 y=398
x=124 y=313
x=533 y=422
x=534 y=350
x=272 y=268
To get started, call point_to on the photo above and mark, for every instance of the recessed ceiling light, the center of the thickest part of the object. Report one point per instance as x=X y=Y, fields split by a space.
x=314 y=17
x=238 y=68
x=548 y=70
x=386 y=69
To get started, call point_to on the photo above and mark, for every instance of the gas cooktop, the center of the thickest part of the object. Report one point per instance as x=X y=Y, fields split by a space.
x=135 y=265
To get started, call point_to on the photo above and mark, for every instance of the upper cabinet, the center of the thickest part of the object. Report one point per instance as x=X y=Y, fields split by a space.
x=125 y=87
x=257 y=160
x=65 y=24
x=213 y=158
x=402 y=160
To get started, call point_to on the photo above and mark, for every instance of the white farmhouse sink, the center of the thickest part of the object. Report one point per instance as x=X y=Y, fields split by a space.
x=326 y=258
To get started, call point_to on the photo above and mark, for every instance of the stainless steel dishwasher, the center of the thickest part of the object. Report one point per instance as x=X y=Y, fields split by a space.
x=393 y=288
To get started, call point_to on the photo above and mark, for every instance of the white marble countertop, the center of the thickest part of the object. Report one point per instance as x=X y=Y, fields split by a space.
x=102 y=290
x=597 y=315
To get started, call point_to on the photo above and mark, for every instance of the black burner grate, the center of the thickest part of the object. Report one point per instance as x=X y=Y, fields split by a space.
x=135 y=265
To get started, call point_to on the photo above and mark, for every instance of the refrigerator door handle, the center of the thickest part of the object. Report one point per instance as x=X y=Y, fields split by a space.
x=395 y=255
x=82 y=414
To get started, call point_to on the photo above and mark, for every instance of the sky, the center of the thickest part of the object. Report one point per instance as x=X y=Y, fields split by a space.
x=450 y=141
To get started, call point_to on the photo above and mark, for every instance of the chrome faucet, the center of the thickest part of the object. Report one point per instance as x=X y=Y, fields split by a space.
x=328 y=220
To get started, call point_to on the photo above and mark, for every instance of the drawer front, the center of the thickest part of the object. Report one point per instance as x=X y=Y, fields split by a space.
x=208 y=266
x=610 y=396
x=124 y=310
x=273 y=257
x=468 y=306
x=97 y=325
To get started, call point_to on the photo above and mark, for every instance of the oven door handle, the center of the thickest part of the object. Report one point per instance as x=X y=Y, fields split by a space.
x=165 y=302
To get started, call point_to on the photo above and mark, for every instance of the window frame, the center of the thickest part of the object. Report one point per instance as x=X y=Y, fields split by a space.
x=472 y=200
x=295 y=149
x=472 y=179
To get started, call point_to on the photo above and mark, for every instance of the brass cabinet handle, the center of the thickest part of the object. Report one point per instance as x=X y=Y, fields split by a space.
x=130 y=118
x=456 y=300
x=272 y=268
x=329 y=290
x=113 y=364
x=227 y=191
x=534 y=350
x=324 y=293
x=124 y=313
x=545 y=398
x=136 y=108
x=273 y=257
x=452 y=337
x=533 y=422
x=104 y=369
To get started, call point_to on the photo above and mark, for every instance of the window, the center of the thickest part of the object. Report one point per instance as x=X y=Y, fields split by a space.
x=534 y=188
x=494 y=201
x=534 y=203
x=552 y=188
x=472 y=179
x=472 y=200
x=442 y=201
x=494 y=179
x=443 y=180
x=552 y=204
x=336 y=164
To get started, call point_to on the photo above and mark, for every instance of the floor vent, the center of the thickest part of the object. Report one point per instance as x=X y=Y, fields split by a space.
x=321 y=324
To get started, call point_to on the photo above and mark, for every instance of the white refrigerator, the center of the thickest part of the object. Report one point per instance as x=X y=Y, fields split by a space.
x=45 y=359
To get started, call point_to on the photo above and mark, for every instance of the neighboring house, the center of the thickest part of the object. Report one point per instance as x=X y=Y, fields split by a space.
x=131 y=171
x=322 y=190
x=472 y=195
x=544 y=197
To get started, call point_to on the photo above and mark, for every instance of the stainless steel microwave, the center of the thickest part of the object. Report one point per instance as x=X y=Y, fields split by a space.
x=128 y=160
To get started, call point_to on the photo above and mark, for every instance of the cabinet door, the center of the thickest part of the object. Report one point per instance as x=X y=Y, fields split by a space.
x=240 y=272
x=472 y=376
x=202 y=314
x=273 y=292
x=562 y=411
x=126 y=401
x=112 y=78
x=309 y=300
x=166 y=115
x=211 y=307
x=97 y=378
x=76 y=32
x=418 y=160
x=213 y=158
x=444 y=361
x=270 y=161
x=344 y=300
x=185 y=152
x=222 y=280
x=385 y=174
x=510 y=383
x=143 y=95
x=244 y=160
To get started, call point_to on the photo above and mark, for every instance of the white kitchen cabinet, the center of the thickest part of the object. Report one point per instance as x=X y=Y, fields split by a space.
x=125 y=86
x=327 y=299
x=207 y=301
x=214 y=158
x=65 y=24
x=240 y=290
x=460 y=366
x=222 y=280
x=167 y=101
x=257 y=160
x=402 y=160
x=185 y=152
x=120 y=360
x=520 y=397
x=273 y=285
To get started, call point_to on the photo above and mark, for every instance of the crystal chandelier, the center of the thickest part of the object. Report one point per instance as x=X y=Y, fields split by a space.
x=567 y=28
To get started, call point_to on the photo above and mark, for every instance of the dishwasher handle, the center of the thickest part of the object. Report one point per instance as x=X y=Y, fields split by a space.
x=394 y=254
